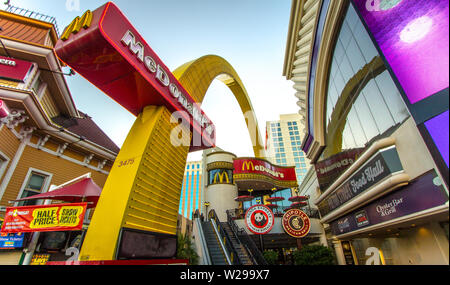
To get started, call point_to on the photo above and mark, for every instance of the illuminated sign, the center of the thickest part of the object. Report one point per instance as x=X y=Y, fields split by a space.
x=424 y=193
x=385 y=162
x=221 y=176
x=14 y=69
x=7 y=62
x=57 y=217
x=107 y=50
x=260 y=166
x=77 y=24
x=40 y=259
x=413 y=37
x=296 y=223
x=13 y=240
x=259 y=219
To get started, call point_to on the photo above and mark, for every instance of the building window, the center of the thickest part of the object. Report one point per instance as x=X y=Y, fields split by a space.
x=36 y=184
x=375 y=108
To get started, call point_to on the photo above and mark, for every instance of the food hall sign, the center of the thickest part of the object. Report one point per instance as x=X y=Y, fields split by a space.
x=56 y=217
x=380 y=166
x=125 y=68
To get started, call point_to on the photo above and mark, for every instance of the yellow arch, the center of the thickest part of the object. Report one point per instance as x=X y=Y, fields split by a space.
x=142 y=191
x=196 y=76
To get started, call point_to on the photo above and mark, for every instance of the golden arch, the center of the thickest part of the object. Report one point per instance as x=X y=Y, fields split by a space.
x=142 y=191
x=196 y=77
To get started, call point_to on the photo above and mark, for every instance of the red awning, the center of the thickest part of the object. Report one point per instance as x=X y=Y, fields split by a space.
x=85 y=190
x=274 y=199
x=244 y=198
x=298 y=198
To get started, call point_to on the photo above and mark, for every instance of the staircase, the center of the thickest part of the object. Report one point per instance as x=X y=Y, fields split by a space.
x=238 y=246
x=214 y=248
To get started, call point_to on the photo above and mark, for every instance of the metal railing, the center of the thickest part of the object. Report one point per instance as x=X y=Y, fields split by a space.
x=279 y=212
x=225 y=239
x=33 y=15
x=245 y=239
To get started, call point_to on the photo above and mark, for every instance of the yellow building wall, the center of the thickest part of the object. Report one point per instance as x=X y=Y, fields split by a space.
x=8 y=145
x=62 y=170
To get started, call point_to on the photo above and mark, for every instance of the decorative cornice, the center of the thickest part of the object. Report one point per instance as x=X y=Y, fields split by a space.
x=260 y=177
x=219 y=165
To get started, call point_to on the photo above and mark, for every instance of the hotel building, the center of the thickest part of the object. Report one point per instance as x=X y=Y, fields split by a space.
x=192 y=190
x=371 y=78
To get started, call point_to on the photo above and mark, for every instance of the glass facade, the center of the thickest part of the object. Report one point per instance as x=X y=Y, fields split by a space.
x=191 y=190
x=286 y=143
x=363 y=101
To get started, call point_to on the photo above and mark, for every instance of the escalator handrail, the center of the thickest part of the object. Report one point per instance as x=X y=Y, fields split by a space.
x=227 y=242
x=246 y=240
x=204 y=245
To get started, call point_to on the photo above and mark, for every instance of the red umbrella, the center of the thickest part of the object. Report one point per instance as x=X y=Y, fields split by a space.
x=274 y=199
x=84 y=190
x=243 y=198
x=298 y=198
x=298 y=204
x=272 y=205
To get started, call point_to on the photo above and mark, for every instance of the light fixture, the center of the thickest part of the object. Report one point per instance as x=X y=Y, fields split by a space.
x=416 y=29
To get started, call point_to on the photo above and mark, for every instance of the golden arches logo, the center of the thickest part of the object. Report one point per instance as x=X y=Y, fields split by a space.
x=248 y=164
x=221 y=176
x=76 y=25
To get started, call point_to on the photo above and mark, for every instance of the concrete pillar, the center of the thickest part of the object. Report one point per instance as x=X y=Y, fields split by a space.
x=339 y=253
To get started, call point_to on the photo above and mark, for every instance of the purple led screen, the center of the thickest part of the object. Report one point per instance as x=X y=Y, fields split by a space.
x=438 y=128
x=414 y=38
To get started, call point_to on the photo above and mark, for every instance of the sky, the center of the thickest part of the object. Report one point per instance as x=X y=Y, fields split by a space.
x=250 y=34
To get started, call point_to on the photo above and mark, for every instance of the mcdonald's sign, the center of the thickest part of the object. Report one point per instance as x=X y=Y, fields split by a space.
x=263 y=167
x=106 y=49
x=221 y=176
x=76 y=25
x=246 y=165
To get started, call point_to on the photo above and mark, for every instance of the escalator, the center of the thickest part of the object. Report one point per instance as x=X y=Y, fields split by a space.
x=220 y=244
x=215 y=249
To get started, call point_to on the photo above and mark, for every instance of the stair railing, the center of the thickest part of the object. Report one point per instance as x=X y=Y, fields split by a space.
x=225 y=239
x=246 y=240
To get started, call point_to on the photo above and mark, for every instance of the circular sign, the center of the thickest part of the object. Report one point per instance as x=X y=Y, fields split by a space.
x=259 y=219
x=296 y=223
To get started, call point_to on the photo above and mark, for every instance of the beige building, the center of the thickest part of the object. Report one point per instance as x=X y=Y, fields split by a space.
x=283 y=144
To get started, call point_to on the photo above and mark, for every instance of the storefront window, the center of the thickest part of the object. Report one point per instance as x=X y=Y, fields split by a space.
x=363 y=102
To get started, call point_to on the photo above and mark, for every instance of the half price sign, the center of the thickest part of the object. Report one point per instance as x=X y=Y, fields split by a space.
x=57 y=217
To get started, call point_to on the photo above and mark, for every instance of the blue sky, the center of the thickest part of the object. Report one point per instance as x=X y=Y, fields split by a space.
x=250 y=34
